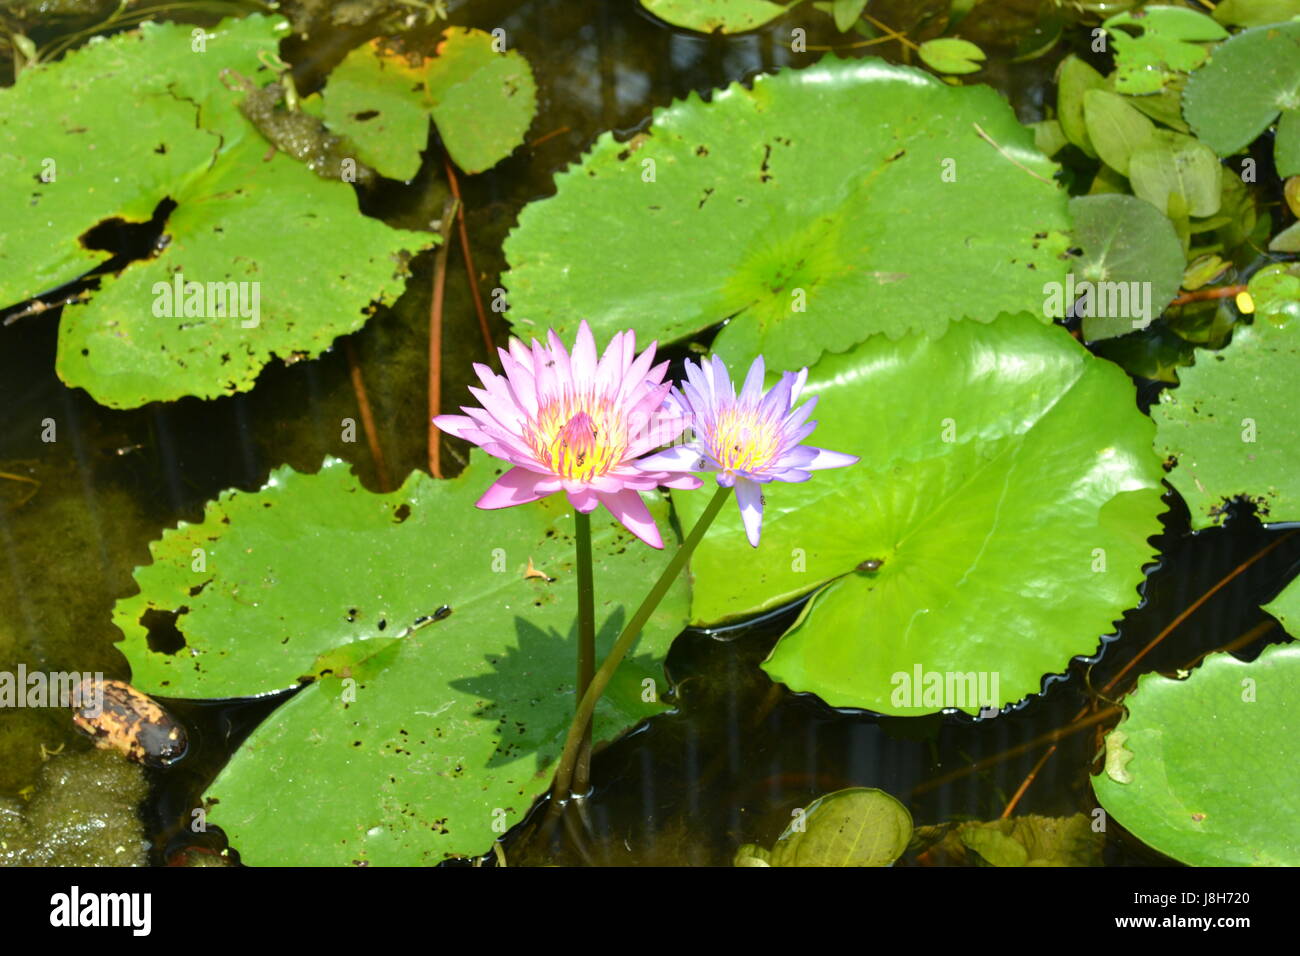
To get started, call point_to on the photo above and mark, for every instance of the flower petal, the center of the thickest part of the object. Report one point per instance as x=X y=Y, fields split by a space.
x=752 y=390
x=518 y=486
x=678 y=458
x=632 y=513
x=749 y=496
x=825 y=458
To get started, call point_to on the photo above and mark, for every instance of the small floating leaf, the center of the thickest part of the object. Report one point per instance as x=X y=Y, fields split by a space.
x=1234 y=427
x=1170 y=40
x=1211 y=779
x=1115 y=127
x=951 y=55
x=725 y=16
x=859 y=826
x=483 y=101
x=376 y=100
x=1171 y=164
x=1134 y=248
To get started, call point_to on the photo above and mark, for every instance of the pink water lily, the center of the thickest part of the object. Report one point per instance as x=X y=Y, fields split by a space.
x=749 y=439
x=574 y=423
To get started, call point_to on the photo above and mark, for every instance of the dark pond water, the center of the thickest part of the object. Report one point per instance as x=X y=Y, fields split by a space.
x=739 y=753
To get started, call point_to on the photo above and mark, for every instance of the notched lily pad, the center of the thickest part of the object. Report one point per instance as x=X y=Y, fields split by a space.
x=1233 y=426
x=440 y=674
x=809 y=235
x=1031 y=439
x=1211 y=781
x=269 y=259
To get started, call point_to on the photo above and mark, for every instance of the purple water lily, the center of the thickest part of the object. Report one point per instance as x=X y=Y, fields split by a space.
x=748 y=439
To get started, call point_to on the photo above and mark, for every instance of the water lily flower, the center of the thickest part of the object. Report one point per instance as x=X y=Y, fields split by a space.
x=574 y=423
x=748 y=440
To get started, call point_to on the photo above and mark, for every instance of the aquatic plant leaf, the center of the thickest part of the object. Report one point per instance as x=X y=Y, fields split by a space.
x=1009 y=509
x=859 y=826
x=1286 y=608
x=1116 y=127
x=1252 y=78
x=1170 y=40
x=1233 y=425
x=1212 y=776
x=1171 y=164
x=1074 y=80
x=411 y=743
x=1127 y=243
x=1030 y=840
x=725 y=16
x=951 y=55
x=1286 y=145
x=377 y=101
x=144 y=117
x=483 y=101
x=1255 y=13
x=811 y=234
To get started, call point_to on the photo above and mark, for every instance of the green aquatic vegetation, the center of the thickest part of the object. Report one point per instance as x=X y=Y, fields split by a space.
x=373 y=98
x=809 y=235
x=1159 y=42
x=930 y=549
x=859 y=826
x=1252 y=79
x=83 y=811
x=1124 y=242
x=228 y=279
x=1233 y=427
x=1209 y=777
x=437 y=641
x=1018 y=841
x=482 y=98
x=725 y=16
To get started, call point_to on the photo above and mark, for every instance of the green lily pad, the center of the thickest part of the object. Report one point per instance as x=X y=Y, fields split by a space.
x=1129 y=245
x=411 y=743
x=483 y=101
x=376 y=100
x=1286 y=608
x=951 y=55
x=1275 y=292
x=1234 y=425
x=1212 y=772
x=128 y=122
x=811 y=235
x=705 y=16
x=1029 y=440
x=1171 y=40
x=1252 y=78
x=859 y=826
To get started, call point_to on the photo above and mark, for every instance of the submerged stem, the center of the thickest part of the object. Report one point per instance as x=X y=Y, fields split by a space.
x=581 y=726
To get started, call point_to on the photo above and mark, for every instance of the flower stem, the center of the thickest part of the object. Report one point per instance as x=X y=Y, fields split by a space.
x=586 y=629
x=580 y=729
